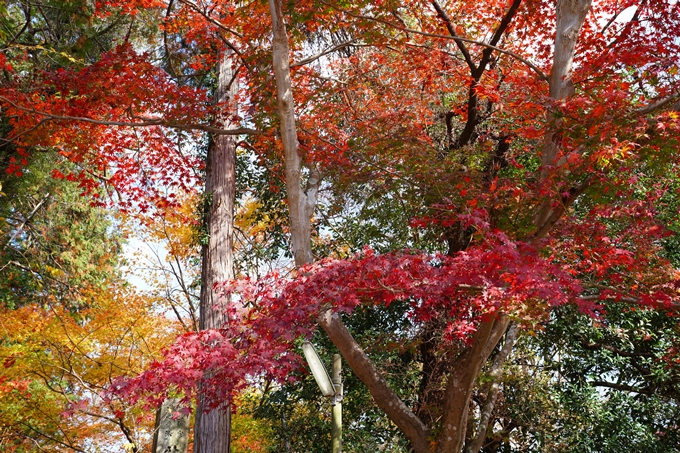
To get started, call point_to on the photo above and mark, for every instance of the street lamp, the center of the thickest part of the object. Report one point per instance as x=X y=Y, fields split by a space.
x=329 y=387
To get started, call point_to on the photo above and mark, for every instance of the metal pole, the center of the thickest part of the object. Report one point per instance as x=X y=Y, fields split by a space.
x=336 y=426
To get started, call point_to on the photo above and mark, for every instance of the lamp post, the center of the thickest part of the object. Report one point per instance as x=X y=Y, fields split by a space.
x=329 y=387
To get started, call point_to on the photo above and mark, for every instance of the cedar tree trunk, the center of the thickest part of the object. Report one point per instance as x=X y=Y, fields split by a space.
x=212 y=429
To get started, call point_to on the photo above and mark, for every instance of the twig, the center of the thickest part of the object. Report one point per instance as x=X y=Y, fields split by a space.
x=321 y=54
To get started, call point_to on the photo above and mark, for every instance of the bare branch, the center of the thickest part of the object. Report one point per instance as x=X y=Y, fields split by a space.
x=313 y=58
x=519 y=58
x=50 y=438
x=452 y=31
x=145 y=122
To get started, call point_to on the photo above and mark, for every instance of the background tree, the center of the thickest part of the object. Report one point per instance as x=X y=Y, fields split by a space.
x=70 y=324
x=579 y=392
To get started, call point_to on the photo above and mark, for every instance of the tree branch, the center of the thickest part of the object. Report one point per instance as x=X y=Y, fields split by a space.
x=494 y=389
x=519 y=58
x=621 y=387
x=659 y=104
x=53 y=439
x=452 y=31
x=505 y=22
x=462 y=380
x=28 y=218
x=556 y=214
x=145 y=122
x=207 y=17
x=599 y=346
x=313 y=58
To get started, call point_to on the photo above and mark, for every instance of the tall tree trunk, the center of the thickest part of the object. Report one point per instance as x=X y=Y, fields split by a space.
x=301 y=205
x=212 y=429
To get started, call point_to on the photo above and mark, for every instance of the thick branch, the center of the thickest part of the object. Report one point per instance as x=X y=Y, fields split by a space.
x=452 y=31
x=666 y=304
x=659 y=104
x=597 y=346
x=494 y=389
x=385 y=398
x=553 y=215
x=570 y=17
x=462 y=380
x=621 y=387
x=472 y=118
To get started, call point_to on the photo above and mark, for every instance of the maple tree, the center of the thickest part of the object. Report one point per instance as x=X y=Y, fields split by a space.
x=57 y=366
x=528 y=157
x=70 y=323
x=554 y=158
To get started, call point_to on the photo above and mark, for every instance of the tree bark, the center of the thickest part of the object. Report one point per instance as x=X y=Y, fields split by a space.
x=212 y=429
x=462 y=381
x=571 y=15
x=301 y=203
x=493 y=389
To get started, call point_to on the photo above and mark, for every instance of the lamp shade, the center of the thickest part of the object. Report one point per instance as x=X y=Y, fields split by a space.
x=318 y=370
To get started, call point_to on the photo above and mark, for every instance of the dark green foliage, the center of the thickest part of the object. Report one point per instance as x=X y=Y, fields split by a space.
x=588 y=385
x=55 y=244
x=64 y=32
